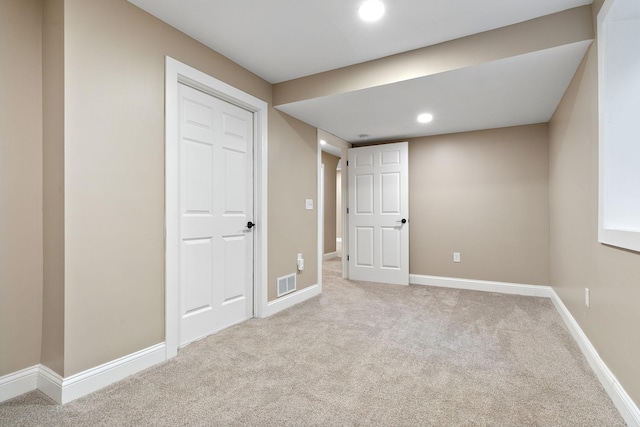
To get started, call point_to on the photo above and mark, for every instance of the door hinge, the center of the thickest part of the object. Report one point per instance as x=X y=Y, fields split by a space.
x=347 y=162
x=347 y=210
x=347 y=257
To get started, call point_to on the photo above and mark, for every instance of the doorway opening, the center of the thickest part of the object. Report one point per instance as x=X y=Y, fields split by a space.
x=332 y=186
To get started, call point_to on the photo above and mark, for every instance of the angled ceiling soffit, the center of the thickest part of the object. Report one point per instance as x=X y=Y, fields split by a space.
x=559 y=29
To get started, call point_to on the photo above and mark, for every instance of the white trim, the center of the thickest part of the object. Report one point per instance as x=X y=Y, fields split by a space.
x=344 y=192
x=108 y=373
x=65 y=390
x=481 y=285
x=17 y=383
x=330 y=255
x=607 y=22
x=177 y=72
x=320 y=213
x=290 y=300
x=627 y=408
x=50 y=383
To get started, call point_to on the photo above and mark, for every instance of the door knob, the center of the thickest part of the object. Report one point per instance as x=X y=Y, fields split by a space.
x=250 y=225
x=403 y=220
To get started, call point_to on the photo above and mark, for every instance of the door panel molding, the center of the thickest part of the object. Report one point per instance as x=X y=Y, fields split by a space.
x=379 y=208
x=216 y=287
x=177 y=72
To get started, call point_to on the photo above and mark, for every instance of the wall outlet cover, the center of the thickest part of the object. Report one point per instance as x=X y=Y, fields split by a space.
x=587 y=297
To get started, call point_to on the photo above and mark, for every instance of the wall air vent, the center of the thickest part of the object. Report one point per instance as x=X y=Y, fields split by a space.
x=286 y=284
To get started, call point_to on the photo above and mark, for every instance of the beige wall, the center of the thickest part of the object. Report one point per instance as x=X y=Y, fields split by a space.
x=578 y=260
x=20 y=184
x=292 y=179
x=92 y=75
x=339 y=204
x=483 y=194
x=330 y=163
x=114 y=177
x=53 y=186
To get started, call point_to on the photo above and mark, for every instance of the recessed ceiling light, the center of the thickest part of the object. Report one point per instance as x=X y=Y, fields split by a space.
x=323 y=142
x=425 y=118
x=371 y=10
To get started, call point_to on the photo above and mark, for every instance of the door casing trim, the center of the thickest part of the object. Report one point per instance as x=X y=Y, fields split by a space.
x=177 y=72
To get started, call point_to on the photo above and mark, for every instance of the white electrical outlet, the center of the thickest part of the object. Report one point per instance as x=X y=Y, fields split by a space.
x=587 y=301
x=300 y=262
x=456 y=257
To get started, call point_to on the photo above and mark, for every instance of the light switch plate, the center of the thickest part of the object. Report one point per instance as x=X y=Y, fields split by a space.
x=308 y=203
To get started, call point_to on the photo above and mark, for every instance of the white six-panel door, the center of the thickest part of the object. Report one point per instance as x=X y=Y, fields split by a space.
x=378 y=204
x=216 y=203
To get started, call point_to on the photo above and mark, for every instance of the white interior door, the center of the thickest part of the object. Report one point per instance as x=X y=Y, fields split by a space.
x=216 y=205
x=378 y=213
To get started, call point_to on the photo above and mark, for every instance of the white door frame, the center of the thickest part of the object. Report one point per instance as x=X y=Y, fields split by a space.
x=320 y=216
x=177 y=72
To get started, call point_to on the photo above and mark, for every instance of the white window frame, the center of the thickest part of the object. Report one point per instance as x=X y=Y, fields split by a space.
x=619 y=134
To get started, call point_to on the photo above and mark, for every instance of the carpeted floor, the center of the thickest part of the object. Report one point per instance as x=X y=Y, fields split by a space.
x=360 y=354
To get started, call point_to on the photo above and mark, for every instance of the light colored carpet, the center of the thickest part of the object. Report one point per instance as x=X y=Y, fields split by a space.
x=360 y=354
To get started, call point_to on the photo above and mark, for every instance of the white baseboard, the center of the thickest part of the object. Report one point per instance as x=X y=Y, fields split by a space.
x=330 y=255
x=626 y=406
x=17 y=383
x=481 y=285
x=50 y=383
x=64 y=390
x=290 y=300
x=623 y=402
